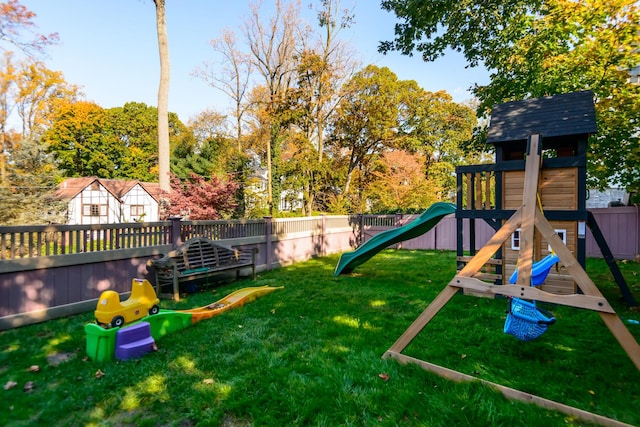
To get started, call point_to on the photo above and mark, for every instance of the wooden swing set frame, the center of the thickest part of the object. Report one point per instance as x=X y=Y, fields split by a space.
x=528 y=218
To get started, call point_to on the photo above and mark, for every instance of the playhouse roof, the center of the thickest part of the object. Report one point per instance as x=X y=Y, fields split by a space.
x=550 y=116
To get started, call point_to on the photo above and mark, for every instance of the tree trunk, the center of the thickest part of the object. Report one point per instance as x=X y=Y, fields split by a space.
x=163 y=97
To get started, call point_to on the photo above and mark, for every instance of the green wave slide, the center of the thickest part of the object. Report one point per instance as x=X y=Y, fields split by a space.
x=425 y=222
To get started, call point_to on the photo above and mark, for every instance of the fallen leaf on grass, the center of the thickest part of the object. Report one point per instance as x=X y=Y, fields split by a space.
x=59 y=358
x=99 y=374
x=33 y=368
x=207 y=381
x=10 y=384
x=385 y=377
x=28 y=386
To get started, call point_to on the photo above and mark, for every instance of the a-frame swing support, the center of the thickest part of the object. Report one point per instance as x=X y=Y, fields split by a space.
x=528 y=218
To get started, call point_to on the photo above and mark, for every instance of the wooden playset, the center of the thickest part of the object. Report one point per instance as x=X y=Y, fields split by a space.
x=536 y=204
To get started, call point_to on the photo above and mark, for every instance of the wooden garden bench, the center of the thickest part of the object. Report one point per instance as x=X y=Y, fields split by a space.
x=198 y=258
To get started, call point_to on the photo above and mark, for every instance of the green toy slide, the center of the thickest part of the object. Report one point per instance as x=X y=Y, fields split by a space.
x=425 y=222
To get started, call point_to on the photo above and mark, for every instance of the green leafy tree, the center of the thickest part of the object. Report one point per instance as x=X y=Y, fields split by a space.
x=438 y=128
x=116 y=143
x=302 y=171
x=379 y=113
x=136 y=127
x=367 y=122
x=28 y=197
x=543 y=47
x=82 y=142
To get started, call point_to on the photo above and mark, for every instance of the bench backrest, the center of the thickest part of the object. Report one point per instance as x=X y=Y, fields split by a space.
x=201 y=252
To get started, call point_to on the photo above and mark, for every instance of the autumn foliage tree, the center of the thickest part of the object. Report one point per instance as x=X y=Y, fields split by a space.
x=18 y=29
x=197 y=198
x=119 y=142
x=401 y=184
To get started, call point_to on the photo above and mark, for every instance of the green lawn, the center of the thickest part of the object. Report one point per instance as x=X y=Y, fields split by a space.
x=310 y=354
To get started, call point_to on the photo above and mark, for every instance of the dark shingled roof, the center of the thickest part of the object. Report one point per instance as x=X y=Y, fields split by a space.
x=550 y=116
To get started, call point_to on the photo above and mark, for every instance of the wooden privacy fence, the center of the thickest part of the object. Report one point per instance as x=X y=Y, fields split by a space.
x=620 y=227
x=54 y=271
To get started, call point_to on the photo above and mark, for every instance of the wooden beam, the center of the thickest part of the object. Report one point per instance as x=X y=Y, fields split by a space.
x=469 y=190
x=508 y=392
x=432 y=309
x=566 y=257
x=487 y=190
x=529 y=208
x=488 y=276
x=586 y=285
x=478 y=197
x=491 y=261
x=492 y=246
x=624 y=337
x=595 y=303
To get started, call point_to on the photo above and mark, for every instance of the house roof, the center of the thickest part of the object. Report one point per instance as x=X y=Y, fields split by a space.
x=550 y=116
x=71 y=187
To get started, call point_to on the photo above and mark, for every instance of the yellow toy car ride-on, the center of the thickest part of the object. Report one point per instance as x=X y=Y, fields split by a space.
x=142 y=301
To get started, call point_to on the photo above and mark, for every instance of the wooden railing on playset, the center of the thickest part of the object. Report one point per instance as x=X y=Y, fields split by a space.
x=478 y=184
x=476 y=198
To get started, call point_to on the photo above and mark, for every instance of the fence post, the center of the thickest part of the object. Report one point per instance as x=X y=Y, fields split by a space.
x=637 y=228
x=323 y=237
x=176 y=236
x=397 y=223
x=268 y=230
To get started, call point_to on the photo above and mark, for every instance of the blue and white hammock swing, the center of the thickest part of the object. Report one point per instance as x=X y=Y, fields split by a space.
x=525 y=321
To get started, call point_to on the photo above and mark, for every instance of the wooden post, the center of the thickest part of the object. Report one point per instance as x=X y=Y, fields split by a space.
x=268 y=231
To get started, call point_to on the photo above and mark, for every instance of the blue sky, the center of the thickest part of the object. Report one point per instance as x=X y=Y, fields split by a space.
x=109 y=48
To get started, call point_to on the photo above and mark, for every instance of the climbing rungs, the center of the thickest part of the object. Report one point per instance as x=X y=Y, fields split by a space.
x=488 y=276
x=492 y=261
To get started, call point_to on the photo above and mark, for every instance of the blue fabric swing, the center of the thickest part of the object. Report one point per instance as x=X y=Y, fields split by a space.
x=525 y=321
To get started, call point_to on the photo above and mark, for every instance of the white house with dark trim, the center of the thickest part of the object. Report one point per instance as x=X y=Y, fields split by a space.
x=95 y=200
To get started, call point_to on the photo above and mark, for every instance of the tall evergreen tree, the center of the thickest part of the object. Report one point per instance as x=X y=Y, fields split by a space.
x=28 y=197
